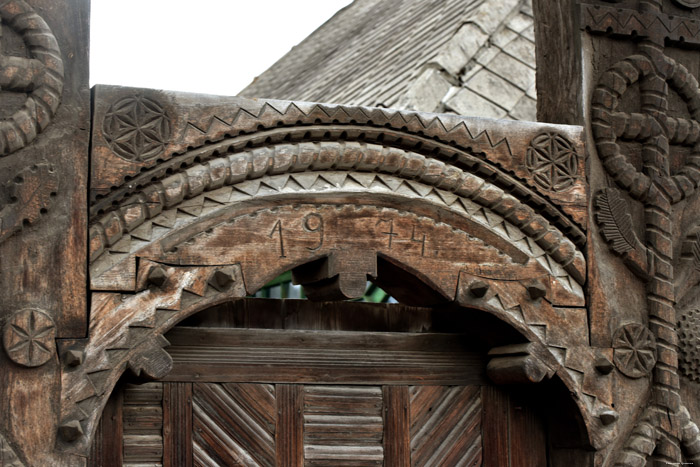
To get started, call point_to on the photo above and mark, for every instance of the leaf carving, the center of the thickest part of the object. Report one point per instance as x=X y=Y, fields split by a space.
x=26 y=198
x=612 y=215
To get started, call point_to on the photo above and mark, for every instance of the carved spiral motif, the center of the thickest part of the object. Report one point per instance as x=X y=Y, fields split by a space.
x=609 y=125
x=28 y=337
x=136 y=128
x=553 y=162
x=634 y=350
x=40 y=76
x=689 y=344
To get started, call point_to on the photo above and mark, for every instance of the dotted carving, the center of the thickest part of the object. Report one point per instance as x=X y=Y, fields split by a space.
x=553 y=162
x=635 y=350
x=689 y=344
x=40 y=76
x=136 y=128
x=28 y=337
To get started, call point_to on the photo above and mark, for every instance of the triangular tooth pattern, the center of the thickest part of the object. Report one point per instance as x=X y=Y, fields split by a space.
x=541 y=331
x=166 y=219
x=249 y=187
x=292 y=185
x=434 y=197
x=406 y=190
x=306 y=180
x=559 y=354
x=122 y=246
x=99 y=380
x=189 y=298
x=220 y=195
x=446 y=197
x=379 y=184
x=143 y=232
x=577 y=376
x=364 y=179
x=267 y=189
x=419 y=188
x=392 y=182
x=277 y=183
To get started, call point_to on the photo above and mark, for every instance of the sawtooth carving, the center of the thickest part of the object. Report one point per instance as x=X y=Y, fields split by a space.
x=248 y=174
x=126 y=332
x=469 y=144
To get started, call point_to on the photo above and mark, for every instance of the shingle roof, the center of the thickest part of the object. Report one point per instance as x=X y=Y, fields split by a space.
x=367 y=54
x=474 y=57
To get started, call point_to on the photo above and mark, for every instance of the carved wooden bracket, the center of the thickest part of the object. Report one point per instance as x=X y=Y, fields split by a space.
x=516 y=364
x=342 y=275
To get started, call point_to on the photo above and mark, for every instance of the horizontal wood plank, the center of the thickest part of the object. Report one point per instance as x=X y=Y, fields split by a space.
x=284 y=356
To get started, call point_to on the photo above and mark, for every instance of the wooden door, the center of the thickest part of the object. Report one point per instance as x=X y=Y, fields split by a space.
x=287 y=397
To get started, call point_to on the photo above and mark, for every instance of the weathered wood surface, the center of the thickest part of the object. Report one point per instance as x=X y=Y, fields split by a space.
x=277 y=356
x=44 y=131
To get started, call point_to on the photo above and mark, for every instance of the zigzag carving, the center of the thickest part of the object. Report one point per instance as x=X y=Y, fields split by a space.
x=483 y=150
x=601 y=18
x=572 y=362
x=126 y=331
x=187 y=192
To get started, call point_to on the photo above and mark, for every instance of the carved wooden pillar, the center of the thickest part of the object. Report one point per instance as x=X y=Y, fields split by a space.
x=638 y=94
x=44 y=128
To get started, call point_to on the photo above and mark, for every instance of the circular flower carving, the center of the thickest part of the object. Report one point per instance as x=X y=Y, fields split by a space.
x=136 y=128
x=28 y=337
x=689 y=344
x=552 y=161
x=634 y=350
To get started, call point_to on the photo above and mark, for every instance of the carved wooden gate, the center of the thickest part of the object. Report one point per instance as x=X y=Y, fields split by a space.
x=251 y=396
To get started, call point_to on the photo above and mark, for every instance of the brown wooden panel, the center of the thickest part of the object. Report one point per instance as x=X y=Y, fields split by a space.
x=445 y=425
x=495 y=413
x=397 y=444
x=290 y=425
x=177 y=424
x=527 y=436
x=343 y=425
x=142 y=418
x=106 y=448
x=230 y=430
x=277 y=356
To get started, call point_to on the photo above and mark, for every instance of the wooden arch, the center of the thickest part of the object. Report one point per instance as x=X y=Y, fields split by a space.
x=456 y=204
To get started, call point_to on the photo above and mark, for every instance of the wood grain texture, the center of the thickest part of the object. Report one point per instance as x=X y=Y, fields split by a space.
x=290 y=425
x=445 y=426
x=397 y=443
x=278 y=356
x=233 y=424
x=559 y=90
x=496 y=436
x=177 y=424
x=107 y=446
x=142 y=414
x=343 y=425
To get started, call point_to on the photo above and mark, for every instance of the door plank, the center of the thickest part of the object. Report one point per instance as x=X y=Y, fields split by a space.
x=308 y=357
x=290 y=425
x=496 y=411
x=397 y=444
x=228 y=430
x=445 y=427
x=177 y=424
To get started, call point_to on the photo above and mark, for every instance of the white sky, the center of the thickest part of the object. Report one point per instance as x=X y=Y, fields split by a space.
x=205 y=46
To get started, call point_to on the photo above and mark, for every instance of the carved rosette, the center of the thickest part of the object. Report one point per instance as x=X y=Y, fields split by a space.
x=634 y=350
x=136 y=128
x=28 y=338
x=552 y=161
x=40 y=76
x=689 y=344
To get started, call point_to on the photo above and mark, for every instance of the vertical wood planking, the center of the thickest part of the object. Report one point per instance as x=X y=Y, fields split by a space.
x=397 y=445
x=177 y=424
x=107 y=445
x=527 y=436
x=495 y=426
x=290 y=425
